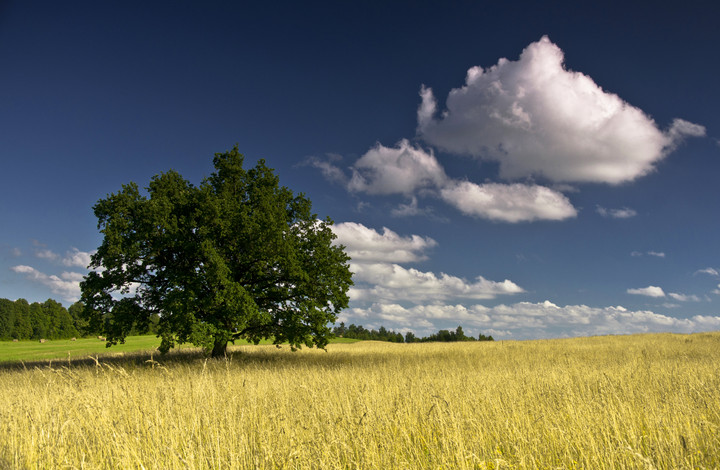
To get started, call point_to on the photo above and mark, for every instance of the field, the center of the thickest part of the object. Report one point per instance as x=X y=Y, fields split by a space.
x=84 y=347
x=63 y=349
x=643 y=401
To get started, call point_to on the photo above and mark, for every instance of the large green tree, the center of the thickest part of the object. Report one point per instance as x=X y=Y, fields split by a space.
x=237 y=257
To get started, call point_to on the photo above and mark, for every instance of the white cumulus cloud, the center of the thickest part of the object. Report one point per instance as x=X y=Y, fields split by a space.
x=77 y=258
x=368 y=245
x=535 y=117
x=407 y=170
x=528 y=320
x=394 y=283
x=508 y=202
x=650 y=291
x=379 y=277
x=403 y=169
x=67 y=285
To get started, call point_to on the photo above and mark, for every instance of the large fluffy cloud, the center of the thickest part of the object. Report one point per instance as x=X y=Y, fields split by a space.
x=535 y=117
x=366 y=244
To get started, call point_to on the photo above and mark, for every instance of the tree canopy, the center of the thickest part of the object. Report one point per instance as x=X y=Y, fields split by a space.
x=50 y=320
x=238 y=256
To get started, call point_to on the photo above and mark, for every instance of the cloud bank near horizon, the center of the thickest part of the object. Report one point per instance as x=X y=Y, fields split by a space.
x=527 y=320
x=409 y=299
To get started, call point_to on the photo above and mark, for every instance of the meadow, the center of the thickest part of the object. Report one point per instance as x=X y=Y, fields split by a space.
x=642 y=401
x=65 y=349
x=31 y=350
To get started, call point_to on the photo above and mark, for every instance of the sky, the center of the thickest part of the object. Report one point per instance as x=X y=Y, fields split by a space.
x=523 y=170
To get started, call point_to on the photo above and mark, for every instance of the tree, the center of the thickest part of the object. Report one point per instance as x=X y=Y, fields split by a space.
x=411 y=338
x=237 y=257
x=7 y=319
x=340 y=330
x=60 y=323
x=38 y=321
x=79 y=322
x=23 y=324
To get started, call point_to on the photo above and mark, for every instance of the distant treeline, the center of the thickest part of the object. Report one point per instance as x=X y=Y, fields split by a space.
x=50 y=320
x=358 y=332
x=46 y=320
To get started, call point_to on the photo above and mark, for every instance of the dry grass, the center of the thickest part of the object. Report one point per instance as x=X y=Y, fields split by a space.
x=648 y=401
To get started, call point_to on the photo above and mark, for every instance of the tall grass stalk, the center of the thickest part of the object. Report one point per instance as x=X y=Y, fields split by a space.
x=647 y=401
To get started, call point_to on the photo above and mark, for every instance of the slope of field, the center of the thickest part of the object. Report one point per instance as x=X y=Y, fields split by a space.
x=63 y=349
x=646 y=401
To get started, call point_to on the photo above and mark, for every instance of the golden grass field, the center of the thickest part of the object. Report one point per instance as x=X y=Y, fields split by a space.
x=643 y=401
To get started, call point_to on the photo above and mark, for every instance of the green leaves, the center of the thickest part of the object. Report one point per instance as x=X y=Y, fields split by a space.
x=237 y=257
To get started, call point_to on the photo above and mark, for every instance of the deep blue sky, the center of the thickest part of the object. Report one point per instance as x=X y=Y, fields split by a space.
x=97 y=94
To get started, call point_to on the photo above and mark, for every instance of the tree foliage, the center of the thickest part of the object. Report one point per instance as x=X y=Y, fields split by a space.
x=237 y=257
x=49 y=320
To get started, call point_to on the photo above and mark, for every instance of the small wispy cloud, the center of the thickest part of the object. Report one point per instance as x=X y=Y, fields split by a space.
x=709 y=271
x=328 y=168
x=656 y=254
x=72 y=258
x=624 y=213
x=46 y=254
x=649 y=291
x=411 y=209
x=684 y=297
x=66 y=285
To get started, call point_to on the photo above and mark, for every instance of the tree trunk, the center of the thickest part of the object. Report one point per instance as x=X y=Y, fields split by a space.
x=219 y=348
